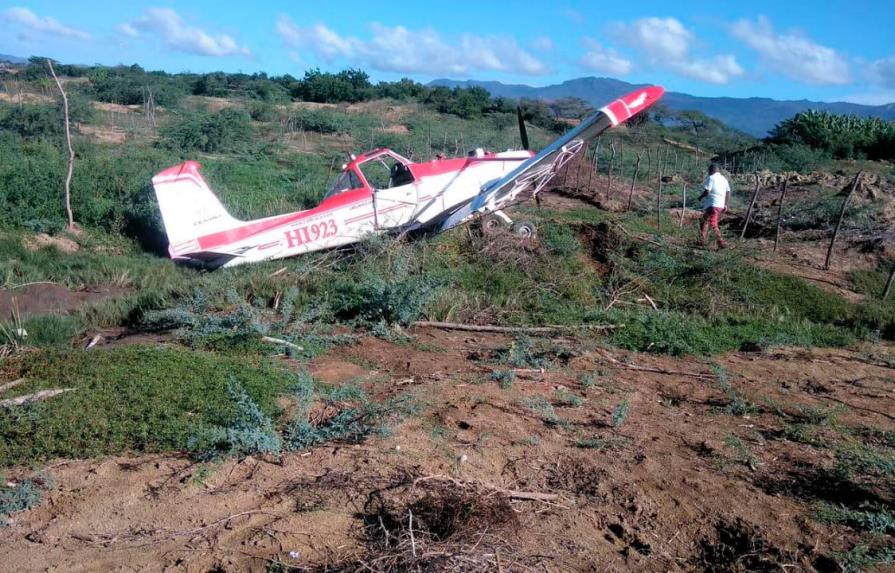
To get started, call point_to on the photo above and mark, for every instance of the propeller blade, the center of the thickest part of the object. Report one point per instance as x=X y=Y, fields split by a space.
x=523 y=132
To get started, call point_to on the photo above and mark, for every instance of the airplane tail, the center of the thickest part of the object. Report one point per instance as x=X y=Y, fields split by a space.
x=190 y=209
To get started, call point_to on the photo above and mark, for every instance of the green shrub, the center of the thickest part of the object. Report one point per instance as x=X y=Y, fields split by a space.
x=226 y=130
x=24 y=495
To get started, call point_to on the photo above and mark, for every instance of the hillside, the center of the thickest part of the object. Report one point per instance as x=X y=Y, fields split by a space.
x=609 y=394
x=755 y=116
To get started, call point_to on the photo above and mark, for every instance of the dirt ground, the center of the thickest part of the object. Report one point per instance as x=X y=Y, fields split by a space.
x=50 y=298
x=493 y=480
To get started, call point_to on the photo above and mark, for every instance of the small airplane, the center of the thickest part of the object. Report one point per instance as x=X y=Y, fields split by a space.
x=377 y=192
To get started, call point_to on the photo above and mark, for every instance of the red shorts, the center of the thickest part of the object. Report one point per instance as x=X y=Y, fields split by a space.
x=712 y=215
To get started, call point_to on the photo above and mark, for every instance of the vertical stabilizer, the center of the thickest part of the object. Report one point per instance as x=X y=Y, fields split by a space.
x=189 y=209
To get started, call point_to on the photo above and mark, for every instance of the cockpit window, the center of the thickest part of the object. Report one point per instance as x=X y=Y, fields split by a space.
x=386 y=172
x=345 y=181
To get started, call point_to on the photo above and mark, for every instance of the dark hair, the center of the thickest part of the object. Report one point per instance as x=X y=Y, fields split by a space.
x=713 y=168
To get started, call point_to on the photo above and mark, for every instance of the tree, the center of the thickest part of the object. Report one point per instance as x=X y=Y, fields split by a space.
x=71 y=151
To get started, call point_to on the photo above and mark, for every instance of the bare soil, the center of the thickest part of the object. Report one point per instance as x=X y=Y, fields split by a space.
x=662 y=491
x=50 y=298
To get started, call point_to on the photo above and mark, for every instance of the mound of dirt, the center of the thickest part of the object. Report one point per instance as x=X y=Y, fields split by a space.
x=50 y=298
x=41 y=240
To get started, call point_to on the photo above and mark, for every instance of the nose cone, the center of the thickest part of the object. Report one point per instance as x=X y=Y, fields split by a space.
x=643 y=98
x=635 y=102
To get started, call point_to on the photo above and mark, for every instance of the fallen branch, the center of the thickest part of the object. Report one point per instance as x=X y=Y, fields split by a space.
x=280 y=341
x=13 y=384
x=36 y=397
x=511 y=329
x=511 y=493
x=625 y=366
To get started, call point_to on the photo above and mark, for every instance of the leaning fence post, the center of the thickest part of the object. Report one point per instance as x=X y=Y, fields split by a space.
x=841 y=216
x=683 y=204
x=634 y=178
x=659 y=204
x=889 y=281
x=751 y=206
x=609 y=172
x=779 y=214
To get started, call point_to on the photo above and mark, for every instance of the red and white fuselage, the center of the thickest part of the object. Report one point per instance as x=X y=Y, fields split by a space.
x=377 y=192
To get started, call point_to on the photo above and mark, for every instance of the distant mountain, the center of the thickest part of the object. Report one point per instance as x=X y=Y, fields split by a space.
x=753 y=115
x=13 y=59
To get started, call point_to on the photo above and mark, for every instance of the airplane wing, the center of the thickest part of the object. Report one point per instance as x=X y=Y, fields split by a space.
x=531 y=176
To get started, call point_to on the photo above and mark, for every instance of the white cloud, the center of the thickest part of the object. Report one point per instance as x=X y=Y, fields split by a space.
x=128 y=30
x=604 y=60
x=666 y=43
x=659 y=38
x=872 y=98
x=168 y=26
x=882 y=72
x=543 y=44
x=793 y=54
x=398 y=49
x=573 y=15
x=44 y=25
x=717 y=70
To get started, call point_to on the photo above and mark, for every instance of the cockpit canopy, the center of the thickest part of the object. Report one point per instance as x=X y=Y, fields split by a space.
x=378 y=169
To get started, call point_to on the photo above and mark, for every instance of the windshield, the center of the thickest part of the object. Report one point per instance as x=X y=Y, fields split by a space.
x=345 y=181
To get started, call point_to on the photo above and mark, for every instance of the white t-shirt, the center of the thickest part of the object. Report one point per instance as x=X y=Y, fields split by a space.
x=718 y=187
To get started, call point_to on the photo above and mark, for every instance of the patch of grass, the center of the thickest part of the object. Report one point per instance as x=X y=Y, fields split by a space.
x=599 y=444
x=244 y=431
x=504 y=378
x=862 y=459
x=568 y=399
x=736 y=405
x=544 y=410
x=128 y=399
x=864 y=557
x=741 y=451
x=620 y=413
x=872 y=518
x=19 y=497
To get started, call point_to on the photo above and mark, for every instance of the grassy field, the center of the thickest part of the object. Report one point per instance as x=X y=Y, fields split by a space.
x=186 y=368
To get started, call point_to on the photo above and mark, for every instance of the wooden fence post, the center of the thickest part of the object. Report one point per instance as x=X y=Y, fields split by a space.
x=889 y=281
x=71 y=151
x=779 y=215
x=659 y=203
x=751 y=207
x=609 y=173
x=683 y=204
x=839 y=222
x=634 y=178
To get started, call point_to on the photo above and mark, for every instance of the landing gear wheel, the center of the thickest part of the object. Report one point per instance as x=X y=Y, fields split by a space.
x=492 y=224
x=525 y=229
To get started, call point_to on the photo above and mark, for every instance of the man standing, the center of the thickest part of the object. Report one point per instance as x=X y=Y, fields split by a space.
x=716 y=193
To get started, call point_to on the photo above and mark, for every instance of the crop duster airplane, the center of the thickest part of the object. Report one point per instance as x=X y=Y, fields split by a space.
x=377 y=192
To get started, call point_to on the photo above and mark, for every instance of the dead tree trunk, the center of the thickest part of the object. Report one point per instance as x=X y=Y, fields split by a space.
x=683 y=203
x=888 y=287
x=609 y=172
x=634 y=179
x=839 y=222
x=779 y=215
x=659 y=204
x=751 y=207
x=71 y=151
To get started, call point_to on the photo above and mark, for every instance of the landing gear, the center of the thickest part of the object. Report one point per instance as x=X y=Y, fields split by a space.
x=493 y=223
x=525 y=229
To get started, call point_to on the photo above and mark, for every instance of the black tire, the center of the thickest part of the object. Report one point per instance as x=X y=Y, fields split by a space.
x=525 y=229
x=491 y=224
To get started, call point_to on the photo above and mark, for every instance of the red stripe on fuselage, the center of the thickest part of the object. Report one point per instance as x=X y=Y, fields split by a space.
x=209 y=242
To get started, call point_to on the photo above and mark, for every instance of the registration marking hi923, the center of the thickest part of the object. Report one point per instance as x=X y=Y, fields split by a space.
x=311 y=233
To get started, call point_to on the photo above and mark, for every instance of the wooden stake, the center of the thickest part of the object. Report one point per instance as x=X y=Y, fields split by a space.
x=659 y=204
x=751 y=207
x=841 y=216
x=634 y=179
x=510 y=329
x=889 y=281
x=683 y=204
x=609 y=173
x=779 y=216
x=71 y=151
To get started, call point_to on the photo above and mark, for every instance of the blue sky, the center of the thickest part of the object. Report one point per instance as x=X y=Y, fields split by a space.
x=826 y=51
